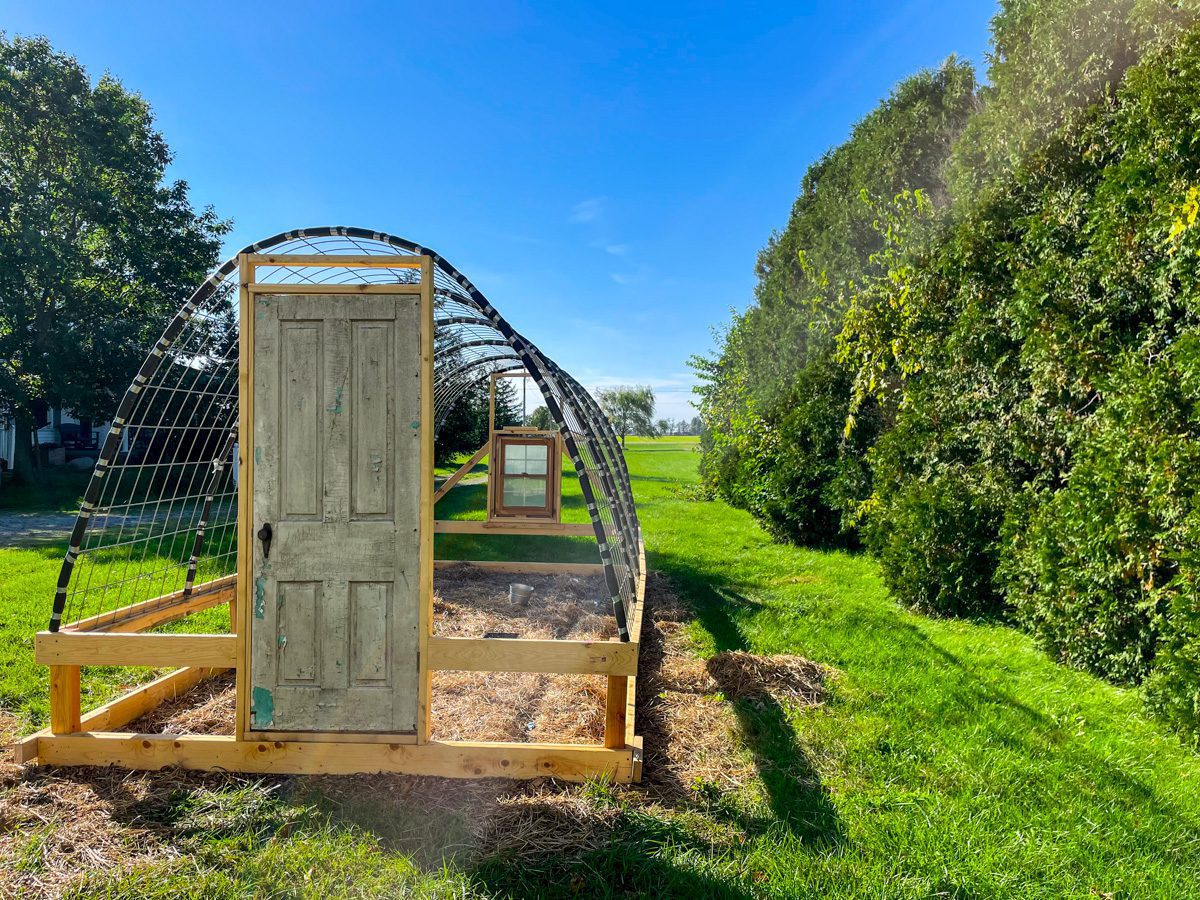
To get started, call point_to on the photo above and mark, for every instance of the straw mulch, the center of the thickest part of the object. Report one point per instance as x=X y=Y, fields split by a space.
x=519 y=706
x=56 y=825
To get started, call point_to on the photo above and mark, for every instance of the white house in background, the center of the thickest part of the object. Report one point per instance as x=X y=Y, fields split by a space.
x=61 y=429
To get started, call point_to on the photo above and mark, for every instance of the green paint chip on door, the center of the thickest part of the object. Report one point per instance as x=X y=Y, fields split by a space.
x=262 y=707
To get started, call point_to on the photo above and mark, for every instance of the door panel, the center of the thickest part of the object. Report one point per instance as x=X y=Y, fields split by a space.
x=337 y=440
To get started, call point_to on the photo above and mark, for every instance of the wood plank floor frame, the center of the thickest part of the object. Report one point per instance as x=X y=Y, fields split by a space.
x=446 y=759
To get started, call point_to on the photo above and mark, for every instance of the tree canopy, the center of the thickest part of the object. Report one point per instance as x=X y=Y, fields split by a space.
x=976 y=345
x=96 y=248
x=630 y=409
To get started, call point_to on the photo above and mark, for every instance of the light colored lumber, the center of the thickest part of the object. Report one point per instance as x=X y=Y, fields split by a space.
x=635 y=634
x=124 y=709
x=516 y=526
x=531 y=568
x=160 y=610
x=615 y=713
x=519 y=655
x=330 y=289
x=446 y=759
x=64 y=699
x=425 y=557
x=99 y=648
x=245 y=530
x=461 y=472
x=331 y=260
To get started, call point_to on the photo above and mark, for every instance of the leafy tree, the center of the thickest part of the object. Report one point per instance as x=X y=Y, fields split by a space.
x=663 y=427
x=508 y=404
x=759 y=451
x=540 y=419
x=96 y=250
x=630 y=409
x=999 y=378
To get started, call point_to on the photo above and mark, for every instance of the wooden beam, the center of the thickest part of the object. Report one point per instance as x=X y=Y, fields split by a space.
x=99 y=648
x=461 y=472
x=64 y=699
x=245 y=531
x=323 y=260
x=517 y=655
x=521 y=526
x=124 y=709
x=320 y=289
x=615 y=711
x=446 y=759
x=168 y=608
x=527 y=568
x=635 y=634
x=425 y=525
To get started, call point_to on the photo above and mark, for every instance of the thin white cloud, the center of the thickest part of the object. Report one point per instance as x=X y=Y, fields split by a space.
x=587 y=211
x=616 y=249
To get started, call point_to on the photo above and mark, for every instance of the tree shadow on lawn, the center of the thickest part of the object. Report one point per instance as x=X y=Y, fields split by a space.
x=795 y=794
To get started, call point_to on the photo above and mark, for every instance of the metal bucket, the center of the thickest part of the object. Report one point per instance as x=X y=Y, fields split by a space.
x=519 y=595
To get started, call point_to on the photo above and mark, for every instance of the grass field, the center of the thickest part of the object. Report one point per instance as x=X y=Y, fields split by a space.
x=952 y=759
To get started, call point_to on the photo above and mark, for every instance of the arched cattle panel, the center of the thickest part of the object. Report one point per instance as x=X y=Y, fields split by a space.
x=195 y=361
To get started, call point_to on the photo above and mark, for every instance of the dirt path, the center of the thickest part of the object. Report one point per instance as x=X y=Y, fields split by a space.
x=34 y=529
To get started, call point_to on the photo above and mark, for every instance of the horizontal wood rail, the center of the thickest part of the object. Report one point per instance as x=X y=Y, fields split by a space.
x=518 y=655
x=331 y=260
x=494 y=526
x=446 y=759
x=125 y=709
x=526 y=568
x=159 y=610
x=319 y=289
x=99 y=648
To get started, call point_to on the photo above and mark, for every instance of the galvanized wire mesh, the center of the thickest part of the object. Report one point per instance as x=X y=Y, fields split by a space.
x=159 y=518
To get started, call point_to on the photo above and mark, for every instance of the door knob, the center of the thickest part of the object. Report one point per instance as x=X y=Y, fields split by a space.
x=264 y=535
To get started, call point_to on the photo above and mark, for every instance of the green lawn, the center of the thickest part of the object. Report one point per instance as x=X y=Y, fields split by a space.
x=951 y=760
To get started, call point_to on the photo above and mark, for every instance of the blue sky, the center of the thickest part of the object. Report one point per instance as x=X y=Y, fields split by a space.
x=605 y=174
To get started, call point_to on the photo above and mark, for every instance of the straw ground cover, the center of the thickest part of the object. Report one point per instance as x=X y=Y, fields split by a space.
x=854 y=750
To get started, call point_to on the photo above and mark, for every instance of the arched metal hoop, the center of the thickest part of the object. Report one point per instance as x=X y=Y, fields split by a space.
x=192 y=363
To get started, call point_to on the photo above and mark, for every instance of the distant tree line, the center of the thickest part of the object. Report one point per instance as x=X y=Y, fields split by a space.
x=975 y=345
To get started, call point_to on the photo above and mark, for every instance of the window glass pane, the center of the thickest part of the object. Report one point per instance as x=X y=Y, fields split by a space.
x=535 y=491
x=535 y=459
x=525 y=492
x=512 y=492
x=514 y=459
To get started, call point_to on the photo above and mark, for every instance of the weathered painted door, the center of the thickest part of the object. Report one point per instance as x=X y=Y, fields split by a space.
x=336 y=476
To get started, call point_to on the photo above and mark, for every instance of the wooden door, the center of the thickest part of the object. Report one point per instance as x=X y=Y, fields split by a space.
x=338 y=429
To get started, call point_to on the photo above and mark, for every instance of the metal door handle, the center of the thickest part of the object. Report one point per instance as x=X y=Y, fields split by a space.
x=264 y=535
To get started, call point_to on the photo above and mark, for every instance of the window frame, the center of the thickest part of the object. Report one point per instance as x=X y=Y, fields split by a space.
x=549 y=511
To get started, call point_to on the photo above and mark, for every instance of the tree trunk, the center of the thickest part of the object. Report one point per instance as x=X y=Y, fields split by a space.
x=22 y=449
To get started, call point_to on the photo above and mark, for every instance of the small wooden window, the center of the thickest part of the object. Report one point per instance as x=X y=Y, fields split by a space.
x=526 y=476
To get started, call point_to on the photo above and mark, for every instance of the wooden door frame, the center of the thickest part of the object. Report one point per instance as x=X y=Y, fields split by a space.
x=250 y=289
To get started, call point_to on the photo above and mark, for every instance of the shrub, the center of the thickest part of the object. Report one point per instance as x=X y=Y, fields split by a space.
x=937 y=544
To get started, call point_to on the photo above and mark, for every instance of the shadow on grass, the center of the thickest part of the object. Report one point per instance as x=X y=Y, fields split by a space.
x=798 y=800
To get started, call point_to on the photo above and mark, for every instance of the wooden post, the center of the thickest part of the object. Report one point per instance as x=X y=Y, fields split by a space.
x=64 y=700
x=242 y=602
x=614 y=712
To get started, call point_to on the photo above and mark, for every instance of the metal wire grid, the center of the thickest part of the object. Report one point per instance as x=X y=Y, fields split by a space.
x=160 y=514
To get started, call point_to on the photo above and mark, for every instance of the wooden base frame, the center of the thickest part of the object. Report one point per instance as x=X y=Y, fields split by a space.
x=75 y=739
